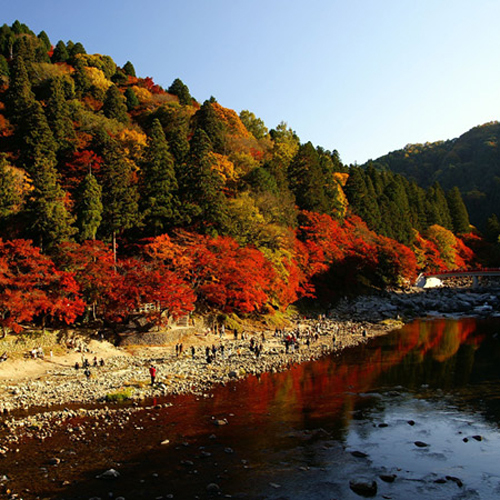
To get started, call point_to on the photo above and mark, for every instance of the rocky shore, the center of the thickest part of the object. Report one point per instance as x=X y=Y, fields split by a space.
x=125 y=376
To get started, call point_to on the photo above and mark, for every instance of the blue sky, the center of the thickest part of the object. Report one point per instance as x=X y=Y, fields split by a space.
x=364 y=77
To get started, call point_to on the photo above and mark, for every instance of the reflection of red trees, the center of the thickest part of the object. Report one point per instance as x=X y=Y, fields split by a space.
x=328 y=385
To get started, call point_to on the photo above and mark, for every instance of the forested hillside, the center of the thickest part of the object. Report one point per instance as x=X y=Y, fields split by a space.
x=471 y=163
x=116 y=192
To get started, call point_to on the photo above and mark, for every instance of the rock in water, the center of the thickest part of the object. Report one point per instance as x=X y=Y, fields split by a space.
x=109 y=474
x=363 y=487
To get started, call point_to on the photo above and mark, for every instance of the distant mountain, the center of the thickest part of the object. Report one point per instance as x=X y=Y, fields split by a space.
x=470 y=162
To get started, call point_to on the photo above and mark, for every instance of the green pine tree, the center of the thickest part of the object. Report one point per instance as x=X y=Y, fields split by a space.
x=120 y=194
x=59 y=117
x=458 y=211
x=201 y=189
x=438 y=211
x=159 y=204
x=114 y=105
x=179 y=89
x=305 y=178
x=131 y=98
x=89 y=208
x=129 y=69
x=60 y=53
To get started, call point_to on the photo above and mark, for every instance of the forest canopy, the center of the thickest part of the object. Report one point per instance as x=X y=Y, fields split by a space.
x=125 y=194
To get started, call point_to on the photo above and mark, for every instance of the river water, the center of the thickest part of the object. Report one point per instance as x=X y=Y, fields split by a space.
x=416 y=411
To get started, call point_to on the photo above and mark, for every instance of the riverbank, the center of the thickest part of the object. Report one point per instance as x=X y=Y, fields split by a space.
x=123 y=372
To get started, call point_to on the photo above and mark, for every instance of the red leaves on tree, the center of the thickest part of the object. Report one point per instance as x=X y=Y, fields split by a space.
x=31 y=287
x=223 y=275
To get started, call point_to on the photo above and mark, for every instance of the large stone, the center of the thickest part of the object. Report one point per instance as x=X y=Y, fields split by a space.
x=364 y=487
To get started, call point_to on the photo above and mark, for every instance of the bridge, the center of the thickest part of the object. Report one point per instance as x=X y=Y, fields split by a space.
x=433 y=279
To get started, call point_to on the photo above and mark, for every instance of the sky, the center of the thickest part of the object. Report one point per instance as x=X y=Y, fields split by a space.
x=363 y=77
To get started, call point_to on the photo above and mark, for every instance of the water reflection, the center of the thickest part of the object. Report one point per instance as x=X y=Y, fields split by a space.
x=290 y=435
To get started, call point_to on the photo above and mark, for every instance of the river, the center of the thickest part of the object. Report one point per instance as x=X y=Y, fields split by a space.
x=416 y=411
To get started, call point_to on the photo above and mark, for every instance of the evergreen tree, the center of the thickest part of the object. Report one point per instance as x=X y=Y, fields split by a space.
x=7 y=42
x=493 y=229
x=438 y=211
x=179 y=89
x=209 y=122
x=89 y=208
x=458 y=212
x=175 y=121
x=159 y=205
x=395 y=212
x=306 y=180
x=39 y=143
x=44 y=41
x=362 y=198
x=131 y=98
x=114 y=105
x=74 y=49
x=202 y=199
x=129 y=69
x=59 y=118
x=50 y=220
x=20 y=97
x=60 y=53
x=417 y=201
x=120 y=195
x=81 y=79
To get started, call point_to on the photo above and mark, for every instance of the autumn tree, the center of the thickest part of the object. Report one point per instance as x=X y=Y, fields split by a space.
x=31 y=287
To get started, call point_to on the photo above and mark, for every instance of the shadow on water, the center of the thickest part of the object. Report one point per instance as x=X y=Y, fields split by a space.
x=290 y=435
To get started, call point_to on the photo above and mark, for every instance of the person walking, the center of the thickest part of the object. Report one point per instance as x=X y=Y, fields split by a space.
x=152 y=373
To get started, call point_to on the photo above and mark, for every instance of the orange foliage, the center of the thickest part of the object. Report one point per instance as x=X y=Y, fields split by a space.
x=231 y=120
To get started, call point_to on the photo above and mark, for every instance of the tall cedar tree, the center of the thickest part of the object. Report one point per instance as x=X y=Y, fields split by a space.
x=438 y=211
x=179 y=89
x=458 y=212
x=306 y=180
x=89 y=208
x=203 y=201
x=60 y=53
x=159 y=204
x=51 y=222
x=59 y=118
x=207 y=120
x=20 y=97
x=115 y=105
x=120 y=194
x=362 y=200
x=129 y=69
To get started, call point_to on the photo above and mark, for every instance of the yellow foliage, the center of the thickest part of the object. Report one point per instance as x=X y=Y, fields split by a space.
x=133 y=142
x=341 y=178
x=340 y=195
x=446 y=243
x=144 y=95
x=97 y=78
x=223 y=165
x=46 y=71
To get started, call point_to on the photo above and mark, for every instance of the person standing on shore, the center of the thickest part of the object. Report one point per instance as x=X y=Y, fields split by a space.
x=152 y=373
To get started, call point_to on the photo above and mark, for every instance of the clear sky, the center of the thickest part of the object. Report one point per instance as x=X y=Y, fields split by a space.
x=364 y=77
